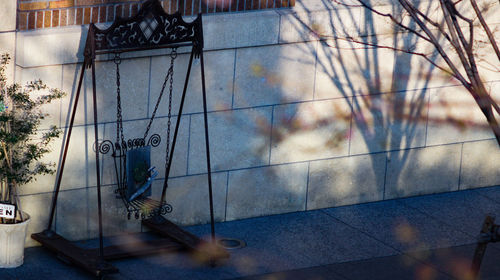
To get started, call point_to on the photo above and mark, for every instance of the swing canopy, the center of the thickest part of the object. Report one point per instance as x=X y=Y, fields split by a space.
x=150 y=28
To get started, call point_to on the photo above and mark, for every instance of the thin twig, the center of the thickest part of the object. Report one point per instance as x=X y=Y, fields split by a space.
x=391 y=17
x=435 y=24
x=350 y=39
x=425 y=56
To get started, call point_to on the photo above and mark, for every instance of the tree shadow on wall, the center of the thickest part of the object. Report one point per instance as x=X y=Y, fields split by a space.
x=380 y=95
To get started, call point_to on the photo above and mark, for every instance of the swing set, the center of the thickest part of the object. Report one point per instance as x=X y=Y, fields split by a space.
x=150 y=29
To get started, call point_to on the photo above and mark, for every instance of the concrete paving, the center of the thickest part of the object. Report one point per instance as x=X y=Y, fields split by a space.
x=424 y=238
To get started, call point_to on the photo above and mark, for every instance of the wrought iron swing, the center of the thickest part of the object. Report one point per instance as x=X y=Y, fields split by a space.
x=150 y=29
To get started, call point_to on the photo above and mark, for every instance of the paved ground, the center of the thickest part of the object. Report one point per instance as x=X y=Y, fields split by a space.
x=427 y=237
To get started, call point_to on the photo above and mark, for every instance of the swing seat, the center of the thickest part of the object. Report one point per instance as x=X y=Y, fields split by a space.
x=138 y=172
x=135 y=199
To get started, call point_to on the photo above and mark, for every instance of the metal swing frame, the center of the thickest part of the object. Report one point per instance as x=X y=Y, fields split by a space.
x=150 y=29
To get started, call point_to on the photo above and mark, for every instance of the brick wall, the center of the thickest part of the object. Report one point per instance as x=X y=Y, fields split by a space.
x=36 y=14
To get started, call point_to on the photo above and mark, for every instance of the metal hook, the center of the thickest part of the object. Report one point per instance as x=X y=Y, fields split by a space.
x=117 y=58
x=173 y=54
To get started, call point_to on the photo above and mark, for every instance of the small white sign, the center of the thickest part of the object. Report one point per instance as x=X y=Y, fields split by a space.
x=7 y=211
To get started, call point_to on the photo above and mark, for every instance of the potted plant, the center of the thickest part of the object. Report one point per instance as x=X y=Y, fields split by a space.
x=22 y=146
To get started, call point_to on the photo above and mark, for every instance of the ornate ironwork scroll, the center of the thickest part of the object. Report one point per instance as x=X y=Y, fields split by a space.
x=107 y=145
x=150 y=28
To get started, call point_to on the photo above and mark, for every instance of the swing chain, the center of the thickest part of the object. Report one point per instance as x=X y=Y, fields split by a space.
x=167 y=157
x=167 y=152
x=119 y=123
x=169 y=76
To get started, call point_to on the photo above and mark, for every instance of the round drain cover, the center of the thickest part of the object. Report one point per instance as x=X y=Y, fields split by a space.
x=231 y=243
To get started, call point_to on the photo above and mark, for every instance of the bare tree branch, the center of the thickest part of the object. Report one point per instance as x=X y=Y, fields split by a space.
x=478 y=91
x=463 y=48
x=411 y=10
x=486 y=28
x=455 y=40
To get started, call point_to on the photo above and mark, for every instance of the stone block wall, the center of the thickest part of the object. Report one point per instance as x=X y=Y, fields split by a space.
x=8 y=32
x=296 y=123
x=36 y=14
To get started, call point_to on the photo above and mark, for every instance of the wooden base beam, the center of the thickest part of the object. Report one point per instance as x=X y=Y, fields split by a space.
x=136 y=249
x=74 y=254
x=205 y=251
x=172 y=239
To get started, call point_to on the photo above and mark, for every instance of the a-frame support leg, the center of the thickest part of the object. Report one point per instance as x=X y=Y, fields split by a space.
x=65 y=249
x=207 y=141
x=97 y=165
x=207 y=147
x=65 y=152
x=176 y=130
x=163 y=226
